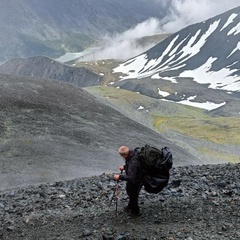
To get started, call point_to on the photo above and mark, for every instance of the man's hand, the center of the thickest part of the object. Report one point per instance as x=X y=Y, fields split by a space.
x=121 y=168
x=116 y=177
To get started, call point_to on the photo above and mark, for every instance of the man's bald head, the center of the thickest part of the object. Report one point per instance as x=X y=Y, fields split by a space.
x=123 y=151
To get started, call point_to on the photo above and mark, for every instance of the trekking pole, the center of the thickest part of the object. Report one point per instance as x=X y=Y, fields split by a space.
x=117 y=196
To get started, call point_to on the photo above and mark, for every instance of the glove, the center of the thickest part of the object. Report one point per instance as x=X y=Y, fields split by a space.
x=121 y=168
x=116 y=177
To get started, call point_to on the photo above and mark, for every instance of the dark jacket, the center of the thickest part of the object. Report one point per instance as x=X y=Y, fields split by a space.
x=133 y=169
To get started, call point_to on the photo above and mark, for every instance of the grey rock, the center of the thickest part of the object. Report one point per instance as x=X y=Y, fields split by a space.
x=175 y=213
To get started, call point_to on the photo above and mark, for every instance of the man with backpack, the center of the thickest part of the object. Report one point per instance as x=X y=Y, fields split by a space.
x=147 y=166
x=133 y=177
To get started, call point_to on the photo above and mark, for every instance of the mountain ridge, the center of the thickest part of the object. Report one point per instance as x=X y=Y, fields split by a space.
x=44 y=67
x=169 y=52
x=185 y=67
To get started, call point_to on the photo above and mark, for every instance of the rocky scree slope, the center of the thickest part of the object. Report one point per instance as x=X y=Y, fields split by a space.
x=200 y=202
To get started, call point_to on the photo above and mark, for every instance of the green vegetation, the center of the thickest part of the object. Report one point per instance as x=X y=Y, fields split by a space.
x=220 y=130
x=102 y=67
x=186 y=120
x=223 y=156
x=120 y=97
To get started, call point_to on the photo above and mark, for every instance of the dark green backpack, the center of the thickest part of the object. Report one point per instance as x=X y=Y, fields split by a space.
x=156 y=164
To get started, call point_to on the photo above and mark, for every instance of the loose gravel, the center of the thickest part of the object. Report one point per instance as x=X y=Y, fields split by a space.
x=200 y=202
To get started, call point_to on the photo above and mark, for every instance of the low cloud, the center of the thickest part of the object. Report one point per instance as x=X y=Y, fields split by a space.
x=180 y=14
x=123 y=46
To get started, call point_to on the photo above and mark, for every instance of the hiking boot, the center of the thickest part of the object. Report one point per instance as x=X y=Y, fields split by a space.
x=136 y=213
x=127 y=208
x=133 y=211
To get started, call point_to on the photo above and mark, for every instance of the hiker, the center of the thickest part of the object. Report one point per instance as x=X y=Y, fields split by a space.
x=132 y=176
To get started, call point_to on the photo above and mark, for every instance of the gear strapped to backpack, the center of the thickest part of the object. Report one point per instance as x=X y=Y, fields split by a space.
x=156 y=164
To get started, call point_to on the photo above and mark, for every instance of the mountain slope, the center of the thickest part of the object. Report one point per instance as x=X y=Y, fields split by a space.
x=32 y=27
x=213 y=139
x=44 y=67
x=187 y=66
x=54 y=131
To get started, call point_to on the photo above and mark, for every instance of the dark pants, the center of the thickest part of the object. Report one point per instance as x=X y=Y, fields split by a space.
x=133 y=190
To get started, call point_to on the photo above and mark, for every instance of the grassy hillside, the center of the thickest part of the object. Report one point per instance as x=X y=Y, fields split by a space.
x=215 y=139
x=103 y=68
x=220 y=130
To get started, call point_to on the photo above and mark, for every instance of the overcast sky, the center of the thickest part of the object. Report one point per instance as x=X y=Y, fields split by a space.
x=181 y=13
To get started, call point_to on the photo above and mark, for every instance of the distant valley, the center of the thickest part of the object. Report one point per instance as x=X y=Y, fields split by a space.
x=52 y=28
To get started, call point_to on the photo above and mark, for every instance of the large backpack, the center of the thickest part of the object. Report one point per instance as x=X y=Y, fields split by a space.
x=156 y=164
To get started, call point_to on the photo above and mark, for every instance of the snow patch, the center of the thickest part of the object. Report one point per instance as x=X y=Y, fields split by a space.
x=221 y=79
x=163 y=93
x=230 y=20
x=205 y=105
x=140 y=108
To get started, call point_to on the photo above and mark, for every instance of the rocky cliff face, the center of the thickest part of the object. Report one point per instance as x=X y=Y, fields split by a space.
x=200 y=203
